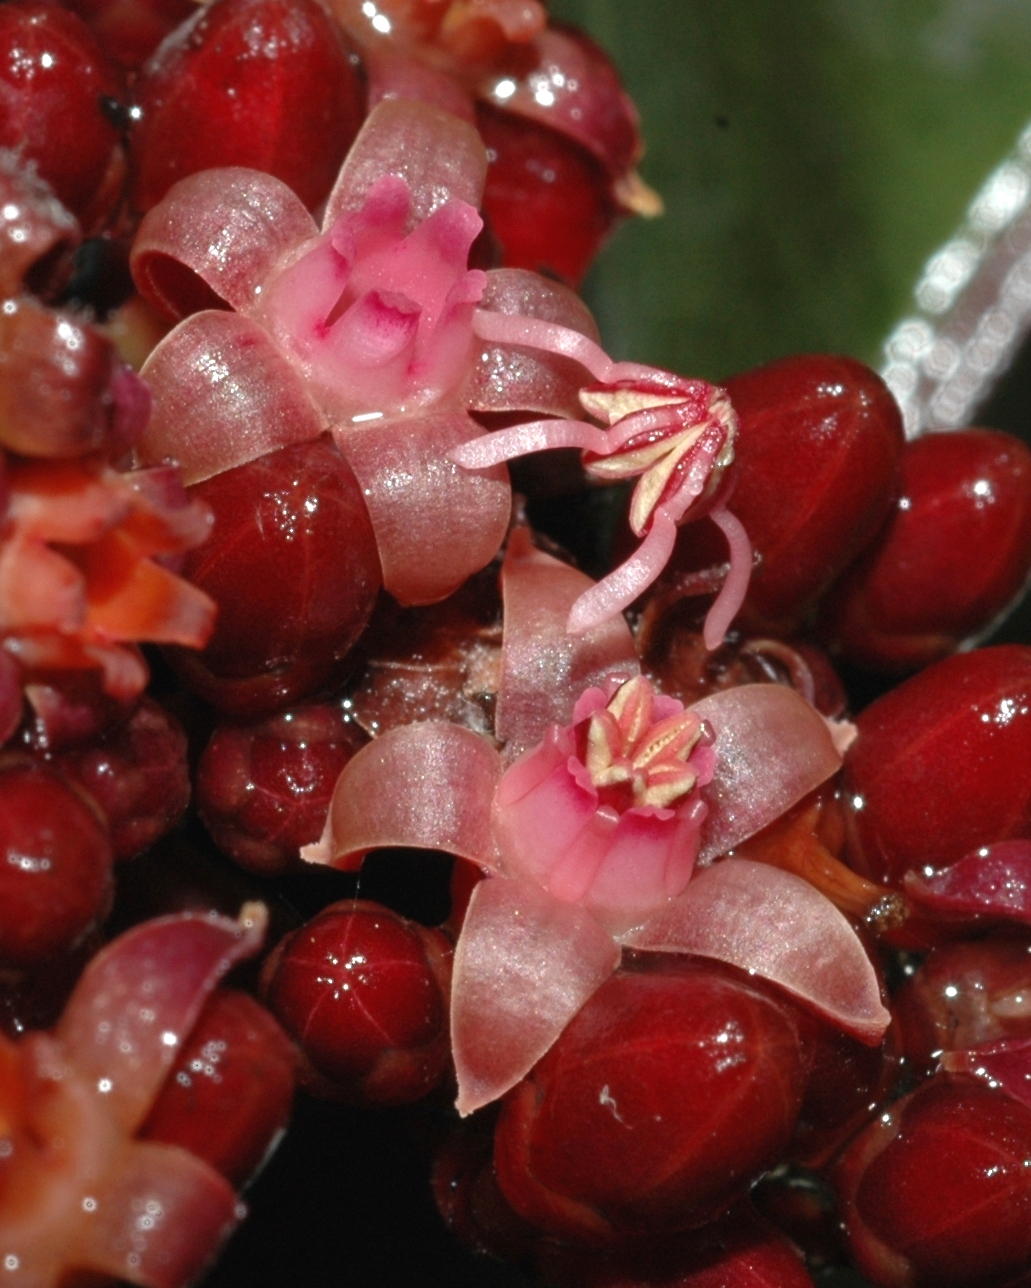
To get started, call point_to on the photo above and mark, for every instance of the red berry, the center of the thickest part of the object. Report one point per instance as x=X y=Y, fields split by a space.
x=293 y=566
x=937 y=1191
x=263 y=790
x=138 y=775
x=267 y=84
x=940 y=766
x=54 y=82
x=955 y=552
x=130 y=30
x=667 y=1095
x=547 y=199
x=55 y=864
x=817 y=452
x=227 y=1098
x=964 y=994
x=364 y=993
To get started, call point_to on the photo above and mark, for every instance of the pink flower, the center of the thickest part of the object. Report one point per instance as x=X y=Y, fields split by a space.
x=376 y=330
x=606 y=811
x=589 y=839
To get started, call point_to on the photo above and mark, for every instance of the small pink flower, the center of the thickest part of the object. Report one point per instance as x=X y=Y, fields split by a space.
x=606 y=811
x=377 y=320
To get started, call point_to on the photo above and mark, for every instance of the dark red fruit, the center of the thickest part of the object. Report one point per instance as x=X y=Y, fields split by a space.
x=55 y=82
x=937 y=1192
x=228 y=1096
x=55 y=397
x=846 y=1082
x=664 y=1099
x=293 y=566
x=130 y=30
x=138 y=775
x=37 y=234
x=963 y=995
x=547 y=199
x=69 y=708
x=953 y=555
x=817 y=455
x=263 y=790
x=365 y=994
x=267 y=84
x=55 y=864
x=739 y=1251
x=940 y=766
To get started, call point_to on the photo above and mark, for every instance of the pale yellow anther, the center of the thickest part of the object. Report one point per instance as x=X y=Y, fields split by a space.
x=614 y=404
x=625 y=744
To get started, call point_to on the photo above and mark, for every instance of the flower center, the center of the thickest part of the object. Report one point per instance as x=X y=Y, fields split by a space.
x=633 y=758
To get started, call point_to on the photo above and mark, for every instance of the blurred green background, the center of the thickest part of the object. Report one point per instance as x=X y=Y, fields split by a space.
x=811 y=154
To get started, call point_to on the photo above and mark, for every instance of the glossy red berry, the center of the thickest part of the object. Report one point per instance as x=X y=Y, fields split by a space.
x=667 y=1095
x=55 y=83
x=365 y=994
x=817 y=452
x=954 y=553
x=267 y=84
x=228 y=1096
x=940 y=765
x=55 y=863
x=547 y=199
x=263 y=790
x=962 y=995
x=937 y=1192
x=130 y=30
x=293 y=566
x=138 y=775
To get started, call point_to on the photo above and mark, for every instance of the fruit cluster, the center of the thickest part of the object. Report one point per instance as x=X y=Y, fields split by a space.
x=711 y=970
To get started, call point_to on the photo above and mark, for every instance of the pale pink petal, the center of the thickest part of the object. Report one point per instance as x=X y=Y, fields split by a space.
x=437 y=155
x=139 y=998
x=223 y=395
x=773 y=924
x=524 y=966
x=727 y=603
x=392 y=74
x=427 y=786
x=158 y=1219
x=649 y=860
x=544 y=669
x=216 y=234
x=618 y=590
x=435 y=523
x=530 y=436
x=536 y=833
x=993 y=882
x=772 y=748
x=514 y=378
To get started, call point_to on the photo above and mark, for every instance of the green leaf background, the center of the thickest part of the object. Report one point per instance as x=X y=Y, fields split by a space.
x=811 y=154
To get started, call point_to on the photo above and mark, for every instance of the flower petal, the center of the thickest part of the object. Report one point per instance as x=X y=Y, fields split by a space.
x=428 y=786
x=435 y=523
x=138 y=999
x=776 y=925
x=524 y=965
x=544 y=669
x=223 y=395
x=513 y=378
x=216 y=236
x=437 y=155
x=158 y=1220
x=772 y=748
